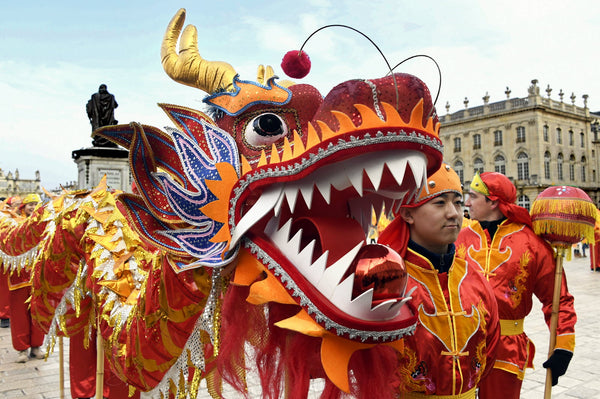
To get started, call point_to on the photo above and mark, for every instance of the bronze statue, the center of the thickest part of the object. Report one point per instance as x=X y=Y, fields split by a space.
x=101 y=112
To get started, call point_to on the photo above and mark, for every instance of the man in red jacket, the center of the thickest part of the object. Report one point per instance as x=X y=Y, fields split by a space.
x=453 y=346
x=518 y=264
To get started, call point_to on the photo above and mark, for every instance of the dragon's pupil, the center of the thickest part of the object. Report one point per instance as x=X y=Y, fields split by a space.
x=268 y=125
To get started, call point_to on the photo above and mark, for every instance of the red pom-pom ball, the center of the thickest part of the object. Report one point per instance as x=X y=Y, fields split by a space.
x=296 y=64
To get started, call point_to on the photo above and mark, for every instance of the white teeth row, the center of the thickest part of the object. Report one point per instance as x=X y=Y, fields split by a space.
x=341 y=176
x=329 y=280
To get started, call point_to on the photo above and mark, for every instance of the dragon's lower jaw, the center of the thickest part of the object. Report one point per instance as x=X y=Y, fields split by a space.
x=314 y=246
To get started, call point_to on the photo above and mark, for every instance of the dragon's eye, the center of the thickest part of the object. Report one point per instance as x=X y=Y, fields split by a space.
x=265 y=129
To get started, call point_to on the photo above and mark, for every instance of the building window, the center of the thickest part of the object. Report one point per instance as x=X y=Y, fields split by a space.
x=478 y=165
x=523 y=201
x=522 y=166
x=498 y=138
x=457 y=144
x=583 y=166
x=520 y=134
x=459 y=169
x=558 y=136
x=582 y=139
x=500 y=164
x=476 y=141
x=546 y=133
x=559 y=166
x=571 y=138
x=572 y=167
x=547 y=165
x=594 y=175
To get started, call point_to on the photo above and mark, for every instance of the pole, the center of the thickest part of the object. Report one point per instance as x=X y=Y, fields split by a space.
x=560 y=253
x=99 y=363
x=61 y=367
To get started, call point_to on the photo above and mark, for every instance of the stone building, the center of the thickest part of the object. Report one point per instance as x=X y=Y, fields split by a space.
x=536 y=141
x=12 y=184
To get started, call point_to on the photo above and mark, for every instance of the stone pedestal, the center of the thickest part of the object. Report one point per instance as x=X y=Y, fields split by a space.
x=95 y=162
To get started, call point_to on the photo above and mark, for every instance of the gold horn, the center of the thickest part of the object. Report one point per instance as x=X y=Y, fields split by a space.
x=188 y=67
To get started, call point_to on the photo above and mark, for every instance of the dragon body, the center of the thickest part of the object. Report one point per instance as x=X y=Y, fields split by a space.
x=243 y=242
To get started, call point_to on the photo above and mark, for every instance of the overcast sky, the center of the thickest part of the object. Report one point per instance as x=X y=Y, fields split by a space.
x=55 y=54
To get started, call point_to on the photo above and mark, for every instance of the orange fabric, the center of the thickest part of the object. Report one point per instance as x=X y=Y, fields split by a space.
x=518 y=264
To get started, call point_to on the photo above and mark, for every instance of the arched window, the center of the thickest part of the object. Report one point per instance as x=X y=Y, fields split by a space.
x=546 y=133
x=558 y=135
x=582 y=139
x=478 y=165
x=583 y=166
x=522 y=166
x=547 y=165
x=572 y=167
x=500 y=164
x=559 y=166
x=523 y=201
x=459 y=169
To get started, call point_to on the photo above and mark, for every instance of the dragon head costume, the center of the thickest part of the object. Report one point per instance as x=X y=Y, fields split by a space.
x=252 y=224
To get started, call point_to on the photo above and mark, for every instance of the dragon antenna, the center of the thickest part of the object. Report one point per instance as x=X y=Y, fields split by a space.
x=296 y=63
x=439 y=75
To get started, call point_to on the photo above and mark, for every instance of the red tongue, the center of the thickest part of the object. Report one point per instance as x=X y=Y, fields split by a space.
x=338 y=235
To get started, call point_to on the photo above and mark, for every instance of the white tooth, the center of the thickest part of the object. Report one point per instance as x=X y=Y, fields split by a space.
x=334 y=273
x=361 y=305
x=304 y=259
x=408 y=294
x=360 y=210
x=263 y=205
x=356 y=178
x=272 y=226
x=291 y=194
x=342 y=295
x=418 y=165
x=382 y=311
x=277 y=207
x=339 y=181
x=280 y=237
x=307 y=189
x=374 y=170
x=293 y=245
x=397 y=167
x=316 y=271
x=387 y=205
x=325 y=189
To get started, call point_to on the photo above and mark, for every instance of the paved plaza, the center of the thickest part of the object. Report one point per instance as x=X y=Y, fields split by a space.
x=38 y=379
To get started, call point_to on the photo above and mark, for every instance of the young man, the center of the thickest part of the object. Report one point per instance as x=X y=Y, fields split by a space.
x=453 y=346
x=518 y=264
x=24 y=333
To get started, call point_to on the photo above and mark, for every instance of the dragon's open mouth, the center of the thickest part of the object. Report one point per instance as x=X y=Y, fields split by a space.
x=312 y=233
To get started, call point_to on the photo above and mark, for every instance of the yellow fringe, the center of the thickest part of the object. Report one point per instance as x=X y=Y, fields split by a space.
x=564 y=217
